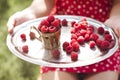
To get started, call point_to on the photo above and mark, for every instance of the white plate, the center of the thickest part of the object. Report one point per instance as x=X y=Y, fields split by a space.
x=38 y=55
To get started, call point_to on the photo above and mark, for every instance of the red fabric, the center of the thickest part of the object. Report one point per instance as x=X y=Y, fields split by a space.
x=99 y=10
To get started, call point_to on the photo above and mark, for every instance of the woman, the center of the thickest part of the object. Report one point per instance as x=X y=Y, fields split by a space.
x=106 y=11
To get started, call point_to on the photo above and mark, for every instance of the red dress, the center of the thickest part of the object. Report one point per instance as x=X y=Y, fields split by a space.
x=99 y=10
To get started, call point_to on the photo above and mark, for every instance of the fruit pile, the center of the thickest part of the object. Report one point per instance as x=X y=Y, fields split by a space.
x=82 y=33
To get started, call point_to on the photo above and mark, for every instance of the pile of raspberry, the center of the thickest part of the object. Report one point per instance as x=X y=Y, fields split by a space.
x=82 y=33
x=49 y=25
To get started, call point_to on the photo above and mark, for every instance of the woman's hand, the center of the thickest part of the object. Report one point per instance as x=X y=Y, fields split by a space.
x=19 y=18
x=114 y=23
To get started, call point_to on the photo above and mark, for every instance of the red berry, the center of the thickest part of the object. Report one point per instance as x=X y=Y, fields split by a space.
x=105 y=45
x=56 y=53
x=72 y=41
x=83 y=32
x=72 y=23
x=92 y=44
x=81 y=39
x=90 y=28
x=87 y=37
x=32 y=35
x=23 y=37
x=50 y=18
x=76 y=26
x=64 y=22
x=25 y=48
x=69 y=49
x=44 y=22
x=112 y=44
x=75 y=46
x=74 y=56
x=94 y=36
x=44 y=29
x=106 y=32
x=101 y=30
x=73 y=36
x=108 y=37
x=65 y=44
x=52 y=29
x=98 y=42
x=56 y=23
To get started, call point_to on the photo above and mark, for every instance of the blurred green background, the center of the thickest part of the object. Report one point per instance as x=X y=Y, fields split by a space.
x=11 y=67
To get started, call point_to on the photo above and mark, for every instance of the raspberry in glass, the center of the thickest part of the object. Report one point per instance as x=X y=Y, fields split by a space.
x=52 y=29
x=50 y=18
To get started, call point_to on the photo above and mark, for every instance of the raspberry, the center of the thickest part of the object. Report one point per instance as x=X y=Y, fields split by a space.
x=83 y=25
x=90 y=28
x=56 y=23
x=81 y=39
x=44 y=22
x=73 y=30
x=83 y=32
x=32 y=35
x=87 y=37
x=56 y=53
x=106 y=32
x=50 y=18
x=94 y=36
x=73 y=36
x=25 y=48
x=69 y=49
x=105 y=45
x=64 y=22
x=92 y=44
x=23 y=37
x=72 y=41
x=52 y=29
x=65 y=44
x=108 y=37
x=101 y=30
x=44 y=29
x=72 y=23
x=98 y=42
x=75 y=46
x=74 y=56
x=112 y=44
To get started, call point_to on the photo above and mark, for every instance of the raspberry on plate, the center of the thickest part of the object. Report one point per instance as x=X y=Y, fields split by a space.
x=32 y=35
x=65 y=44
x=81 y=39
x=101 y=30
x=69 y=49
x=64 y=22
x=74 y=56
x=56 y=53
x=23 y=36
x=92 y=44
x=75 y=46
x=94 y=36
x=108 y=37
x=25 y=48
x=105 y=45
